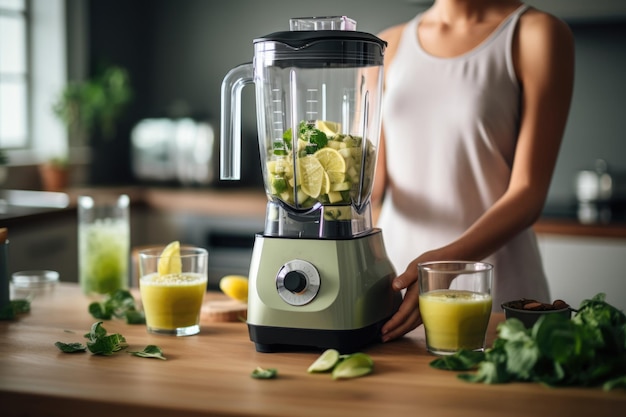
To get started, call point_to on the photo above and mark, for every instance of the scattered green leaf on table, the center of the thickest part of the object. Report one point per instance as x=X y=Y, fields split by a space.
x=150 y=351
x=119 y=304
x=135 y=317
x=15 y=307
x=100 y=343
x=71 y=347
x=264 y=373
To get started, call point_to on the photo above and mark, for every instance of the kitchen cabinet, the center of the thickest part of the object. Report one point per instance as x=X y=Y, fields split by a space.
x=580 y=267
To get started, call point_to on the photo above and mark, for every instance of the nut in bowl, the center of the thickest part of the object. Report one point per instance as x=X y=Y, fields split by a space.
x=529 y=311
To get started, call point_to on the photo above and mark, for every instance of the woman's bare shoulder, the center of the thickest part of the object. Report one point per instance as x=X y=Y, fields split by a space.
x=392 y=36
x=392 y=33
x=536 y=24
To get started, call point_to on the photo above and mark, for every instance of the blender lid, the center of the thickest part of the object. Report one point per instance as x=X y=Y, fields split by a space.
x=321 y=41
x=314 y=47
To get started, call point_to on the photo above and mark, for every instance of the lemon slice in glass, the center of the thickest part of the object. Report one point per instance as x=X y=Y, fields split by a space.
x=169 y=261
x=328 y=127
x=353 y=366
x=311 y=175
x=235 y=286
x=325 y=362
x=333 y=163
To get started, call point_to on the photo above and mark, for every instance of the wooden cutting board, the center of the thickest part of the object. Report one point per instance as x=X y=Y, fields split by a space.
x=223 y=310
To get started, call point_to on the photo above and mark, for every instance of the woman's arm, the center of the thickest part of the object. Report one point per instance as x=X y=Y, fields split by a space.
x=544 y=62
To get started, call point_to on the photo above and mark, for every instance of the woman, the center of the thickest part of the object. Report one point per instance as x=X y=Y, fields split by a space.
x=477 y=94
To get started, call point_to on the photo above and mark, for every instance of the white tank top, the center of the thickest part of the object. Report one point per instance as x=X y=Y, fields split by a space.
x=451 y=126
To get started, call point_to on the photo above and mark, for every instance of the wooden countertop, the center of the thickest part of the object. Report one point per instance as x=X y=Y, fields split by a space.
x=209 y=374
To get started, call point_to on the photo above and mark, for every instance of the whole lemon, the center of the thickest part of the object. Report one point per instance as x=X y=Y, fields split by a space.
x=235 y=286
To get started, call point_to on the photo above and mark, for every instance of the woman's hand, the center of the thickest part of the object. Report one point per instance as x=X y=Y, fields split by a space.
x=408 y=315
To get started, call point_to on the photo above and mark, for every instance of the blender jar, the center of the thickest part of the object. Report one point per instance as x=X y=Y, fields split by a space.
x=318 y=99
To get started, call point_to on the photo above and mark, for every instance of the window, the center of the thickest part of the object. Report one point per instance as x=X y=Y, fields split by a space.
x=14 y=74
x=33 y=71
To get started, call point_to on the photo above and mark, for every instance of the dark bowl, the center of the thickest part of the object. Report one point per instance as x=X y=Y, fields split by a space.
x=530 y=317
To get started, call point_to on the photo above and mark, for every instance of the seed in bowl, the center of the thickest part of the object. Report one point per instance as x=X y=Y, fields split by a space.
x=534 y=305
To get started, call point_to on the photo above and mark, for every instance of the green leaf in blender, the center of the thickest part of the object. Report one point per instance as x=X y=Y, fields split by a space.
x=279 y=184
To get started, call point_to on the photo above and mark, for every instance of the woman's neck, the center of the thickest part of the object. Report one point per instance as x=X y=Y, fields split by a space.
x=453 y=12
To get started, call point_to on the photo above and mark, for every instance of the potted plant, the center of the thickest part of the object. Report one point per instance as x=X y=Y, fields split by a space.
x=54 y=174
x=91 y=109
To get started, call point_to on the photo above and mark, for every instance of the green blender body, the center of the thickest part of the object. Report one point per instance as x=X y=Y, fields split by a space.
x=319 y=276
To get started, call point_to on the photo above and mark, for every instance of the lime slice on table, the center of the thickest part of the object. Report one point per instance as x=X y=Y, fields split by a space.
x=334 y=164
x=311 y=175
x=235 y=286
x=353 y=366
x=328 y=127
x=169 y=261
x=325 y=362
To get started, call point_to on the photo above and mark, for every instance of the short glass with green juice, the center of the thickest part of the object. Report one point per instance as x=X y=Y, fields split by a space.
x=173 y=281
x=455 y=304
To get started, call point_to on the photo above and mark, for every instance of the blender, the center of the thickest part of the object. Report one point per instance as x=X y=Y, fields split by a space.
x=319 y=276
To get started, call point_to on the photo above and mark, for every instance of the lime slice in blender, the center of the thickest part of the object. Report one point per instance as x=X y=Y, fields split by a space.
x=333 y=163
x=353 y=366
x=311 y=175
x=328 y=127
x=325 y=362
x=325 y=184
x=169 y=261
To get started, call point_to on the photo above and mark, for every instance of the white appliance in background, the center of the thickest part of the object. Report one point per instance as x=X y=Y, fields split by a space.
x=167 y=150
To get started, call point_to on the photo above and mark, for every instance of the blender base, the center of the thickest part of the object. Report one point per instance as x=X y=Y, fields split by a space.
x=344 y=299
x=268 y=339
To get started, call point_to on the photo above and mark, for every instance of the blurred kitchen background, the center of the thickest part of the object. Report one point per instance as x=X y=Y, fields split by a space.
x=176 y=53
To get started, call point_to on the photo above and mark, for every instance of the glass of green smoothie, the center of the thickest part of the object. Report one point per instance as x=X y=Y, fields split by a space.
x=103 y=243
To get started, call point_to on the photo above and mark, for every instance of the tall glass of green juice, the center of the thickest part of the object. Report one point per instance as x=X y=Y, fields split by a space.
x=455 y=304
x=103 y=243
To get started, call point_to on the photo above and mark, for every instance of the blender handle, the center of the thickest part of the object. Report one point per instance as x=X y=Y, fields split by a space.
x=230 y=136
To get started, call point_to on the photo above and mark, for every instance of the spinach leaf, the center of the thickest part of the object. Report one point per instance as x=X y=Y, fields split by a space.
x=119 y=304
x=150 y=351
x=15 y=307
x=99 y=343
x=70 y=347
